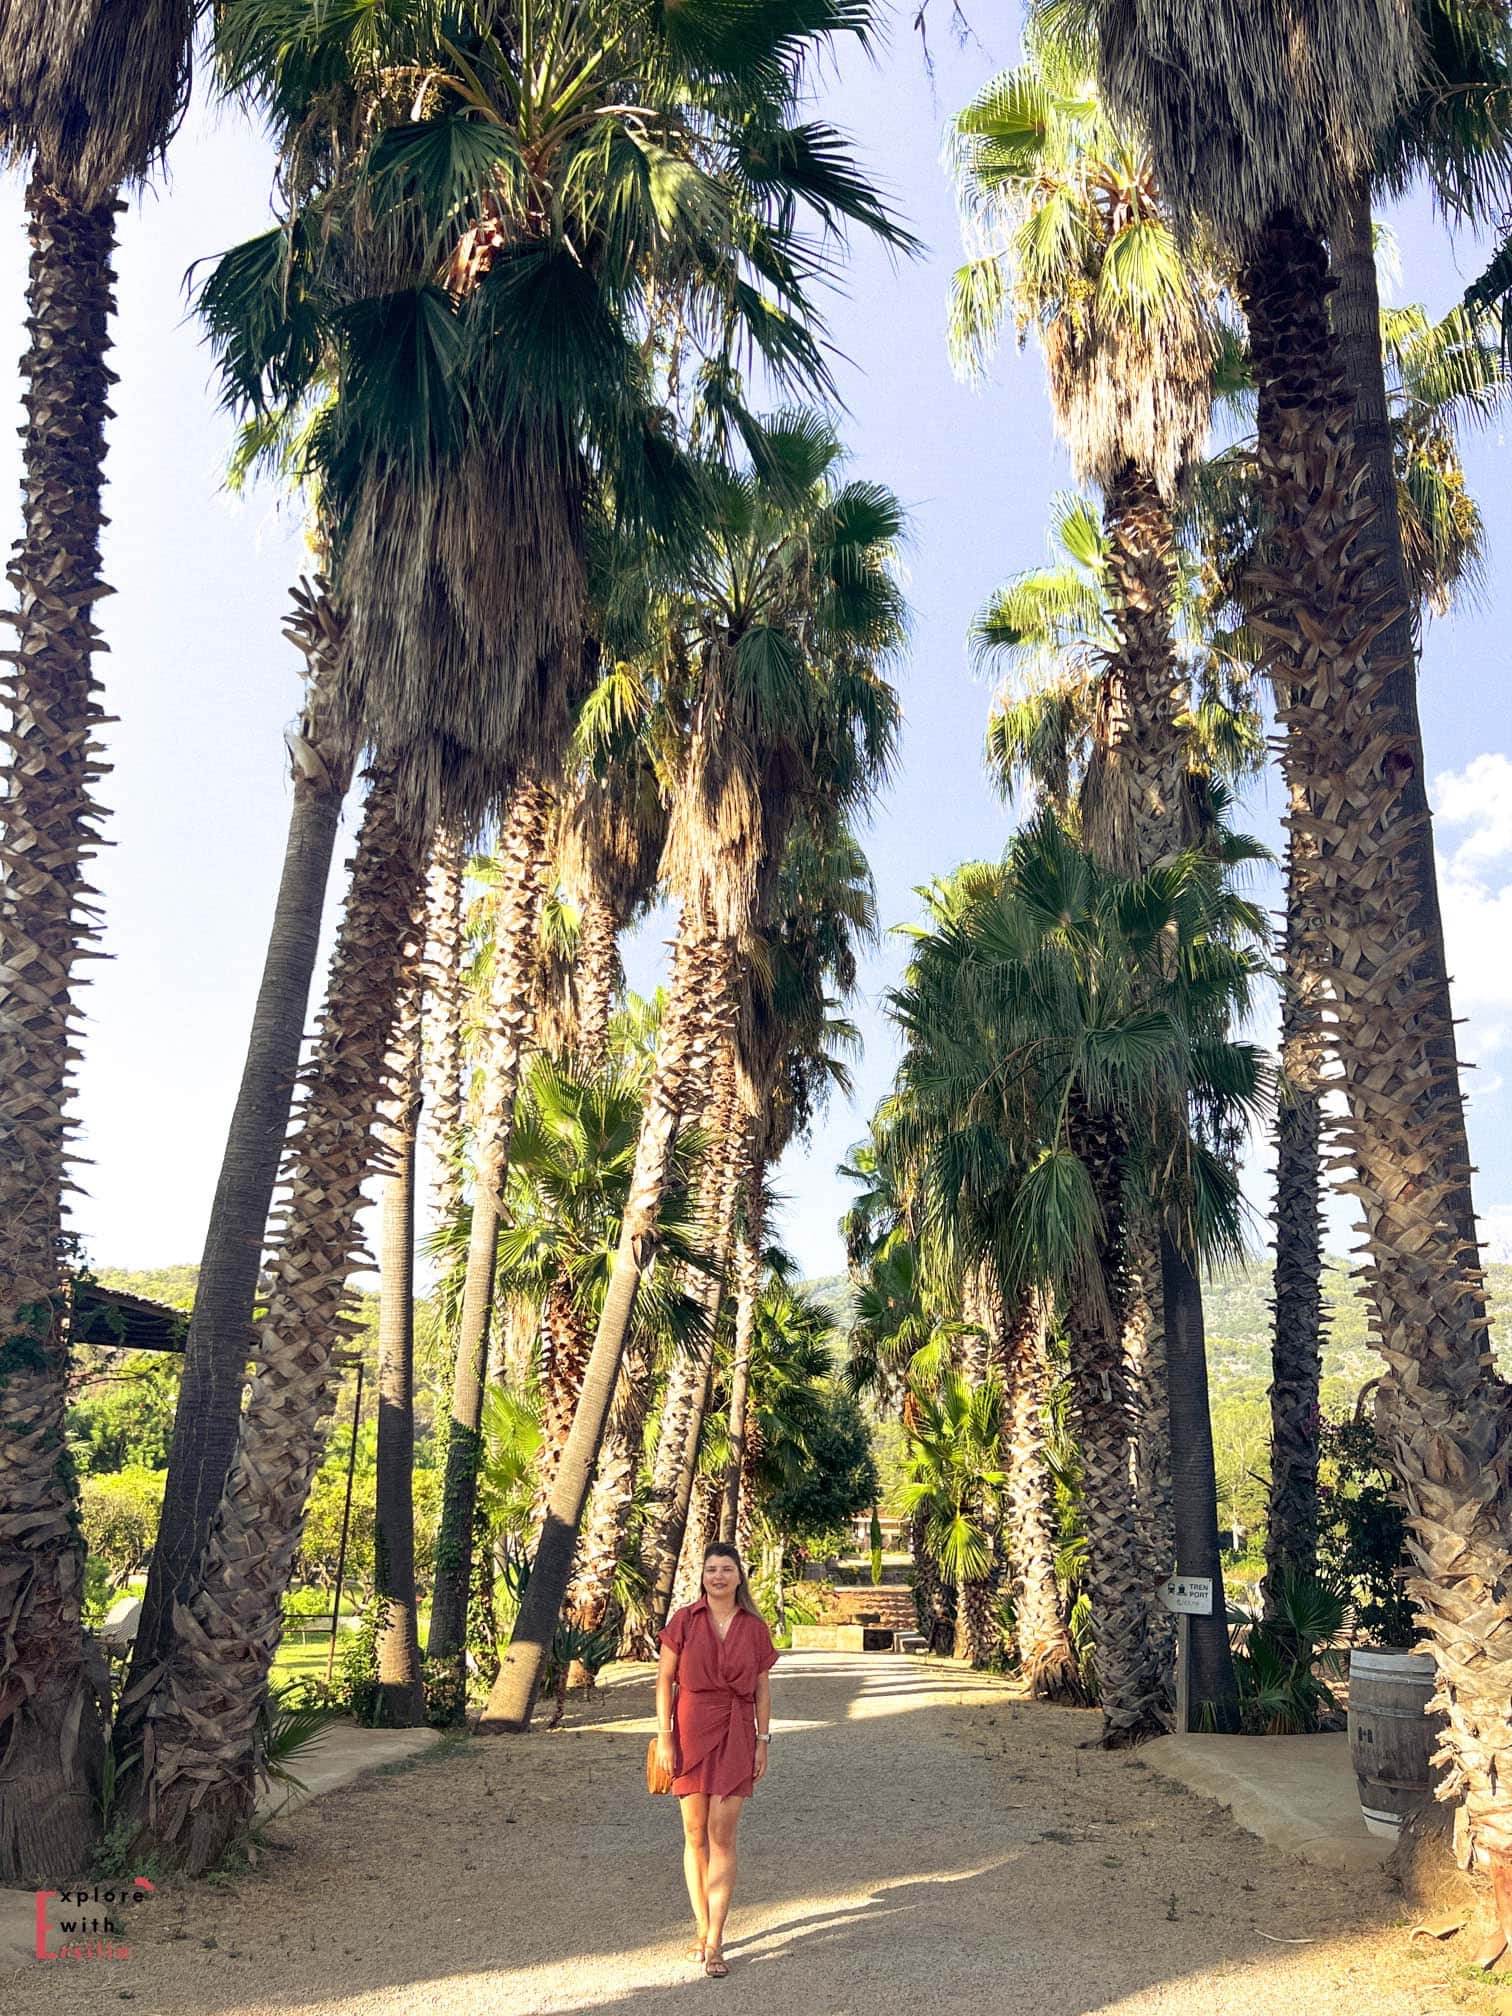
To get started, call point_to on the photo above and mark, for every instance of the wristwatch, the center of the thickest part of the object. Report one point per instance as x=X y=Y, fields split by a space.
x=763 y=1736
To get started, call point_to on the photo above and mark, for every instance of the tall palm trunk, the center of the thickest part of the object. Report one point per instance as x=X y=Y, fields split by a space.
x=1047 y=1658
x=51 y=1735
x=401 y=1693
x=1391 y=653
x=696 y=1020
x=1129 y=1687
x=746 y=1282
x=1135 y=798
x=1214 y=1687
x=1356 y=755
x=1291 y=1527
x=220 y=1340
x=567 y=1343
x=977 y=1637
x=726 y=1123
x=1147 y=1363
x=699 y=1534
x=608 y=1520
x=442 y=1058
x=197 y=1782
x=511 y=1004
x=1138 y=813
x=593 y=979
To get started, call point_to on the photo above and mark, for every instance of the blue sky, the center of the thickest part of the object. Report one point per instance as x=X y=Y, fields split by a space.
x=203 y=682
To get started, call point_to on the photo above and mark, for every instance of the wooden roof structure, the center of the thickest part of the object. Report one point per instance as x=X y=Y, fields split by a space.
x=111 y=1320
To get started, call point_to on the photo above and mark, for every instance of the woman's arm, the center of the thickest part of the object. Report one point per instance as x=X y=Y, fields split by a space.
x=763 y=1720
x=666 y=1675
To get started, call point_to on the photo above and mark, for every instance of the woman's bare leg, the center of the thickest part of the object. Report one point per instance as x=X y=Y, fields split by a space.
x=695 y=1819
x=719 y=1882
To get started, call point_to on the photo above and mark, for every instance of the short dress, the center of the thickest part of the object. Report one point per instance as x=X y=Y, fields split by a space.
x=714 y=1709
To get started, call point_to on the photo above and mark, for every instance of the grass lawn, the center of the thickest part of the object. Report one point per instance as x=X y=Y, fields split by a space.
x=302 y=1655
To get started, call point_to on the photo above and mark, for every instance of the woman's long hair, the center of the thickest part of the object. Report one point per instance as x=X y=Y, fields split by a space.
x=744 y=1600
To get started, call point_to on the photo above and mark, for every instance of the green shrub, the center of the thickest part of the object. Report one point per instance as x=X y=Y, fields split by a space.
x=120 y=1513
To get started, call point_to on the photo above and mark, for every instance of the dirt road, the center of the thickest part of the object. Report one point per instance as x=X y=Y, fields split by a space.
x=925 y=1841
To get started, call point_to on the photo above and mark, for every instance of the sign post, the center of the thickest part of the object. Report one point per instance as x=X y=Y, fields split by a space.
x=1187 y=1596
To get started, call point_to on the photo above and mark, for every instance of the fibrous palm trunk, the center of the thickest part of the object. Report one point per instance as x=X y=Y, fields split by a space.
x=566 y=1343
x=1138 y=812
x=1047 y=1658
x=401 y=1694
x=442 y=1060
x=220 y=1336
x=1129 y=1687
x=977 y=1637
x=511 y=1003
x=593 y=980
x=696 y=1019
x=1358 y=759
x=1291 y=1528
x=198 y=1773
x=1135 y=798
x=746 y=1282
x=608 y=1522
x=726 y=1125
x=1391 y=654
x=1146 y=1361
x=699 y=1534
x=51 y=1736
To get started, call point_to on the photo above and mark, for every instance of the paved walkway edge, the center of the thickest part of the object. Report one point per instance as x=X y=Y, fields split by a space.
x=1297 y=1793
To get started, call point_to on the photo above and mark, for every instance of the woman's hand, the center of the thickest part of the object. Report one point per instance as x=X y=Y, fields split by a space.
x=664 y=1756
x=762 y=1751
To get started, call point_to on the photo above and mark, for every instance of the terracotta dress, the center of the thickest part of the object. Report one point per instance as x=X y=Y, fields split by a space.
x=714 y=1708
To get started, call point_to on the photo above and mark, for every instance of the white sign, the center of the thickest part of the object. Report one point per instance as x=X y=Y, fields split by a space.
x=1188 y=1595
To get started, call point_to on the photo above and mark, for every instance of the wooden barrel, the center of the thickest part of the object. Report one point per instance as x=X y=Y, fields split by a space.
x=1391 y=1735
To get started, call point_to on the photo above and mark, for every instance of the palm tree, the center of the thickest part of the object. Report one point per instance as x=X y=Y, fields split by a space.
x=954 y=1483
x=1130 y=348
x=1100 y=994
x=89 y=97
x=1089 y=261
x=1289 y=127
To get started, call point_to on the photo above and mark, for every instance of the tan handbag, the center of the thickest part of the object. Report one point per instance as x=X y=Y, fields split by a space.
x=657 y=1778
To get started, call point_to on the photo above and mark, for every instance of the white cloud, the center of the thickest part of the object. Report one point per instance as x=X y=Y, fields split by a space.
x=1480 y=797
x=1475 y=888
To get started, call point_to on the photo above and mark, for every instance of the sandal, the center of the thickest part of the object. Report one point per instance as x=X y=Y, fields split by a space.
x=696 y=1952
x=714 y=1965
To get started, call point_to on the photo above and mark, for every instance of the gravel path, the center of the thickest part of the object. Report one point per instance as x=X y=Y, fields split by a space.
x=925 y=1841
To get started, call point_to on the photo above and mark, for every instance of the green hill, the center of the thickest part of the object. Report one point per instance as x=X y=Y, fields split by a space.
x=1238 y=1308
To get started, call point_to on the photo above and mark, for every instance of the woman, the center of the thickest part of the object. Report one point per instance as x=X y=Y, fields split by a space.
x=716 y=1655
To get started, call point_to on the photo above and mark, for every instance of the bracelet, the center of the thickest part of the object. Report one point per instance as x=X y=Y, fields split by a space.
x=763 y=1735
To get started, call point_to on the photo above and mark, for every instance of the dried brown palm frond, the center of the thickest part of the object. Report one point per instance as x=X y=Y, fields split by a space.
x=467 y=599
x=612 y=831
x=93 y=92
x=1130 y=390
x=1256 y=108
x=716 y=830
